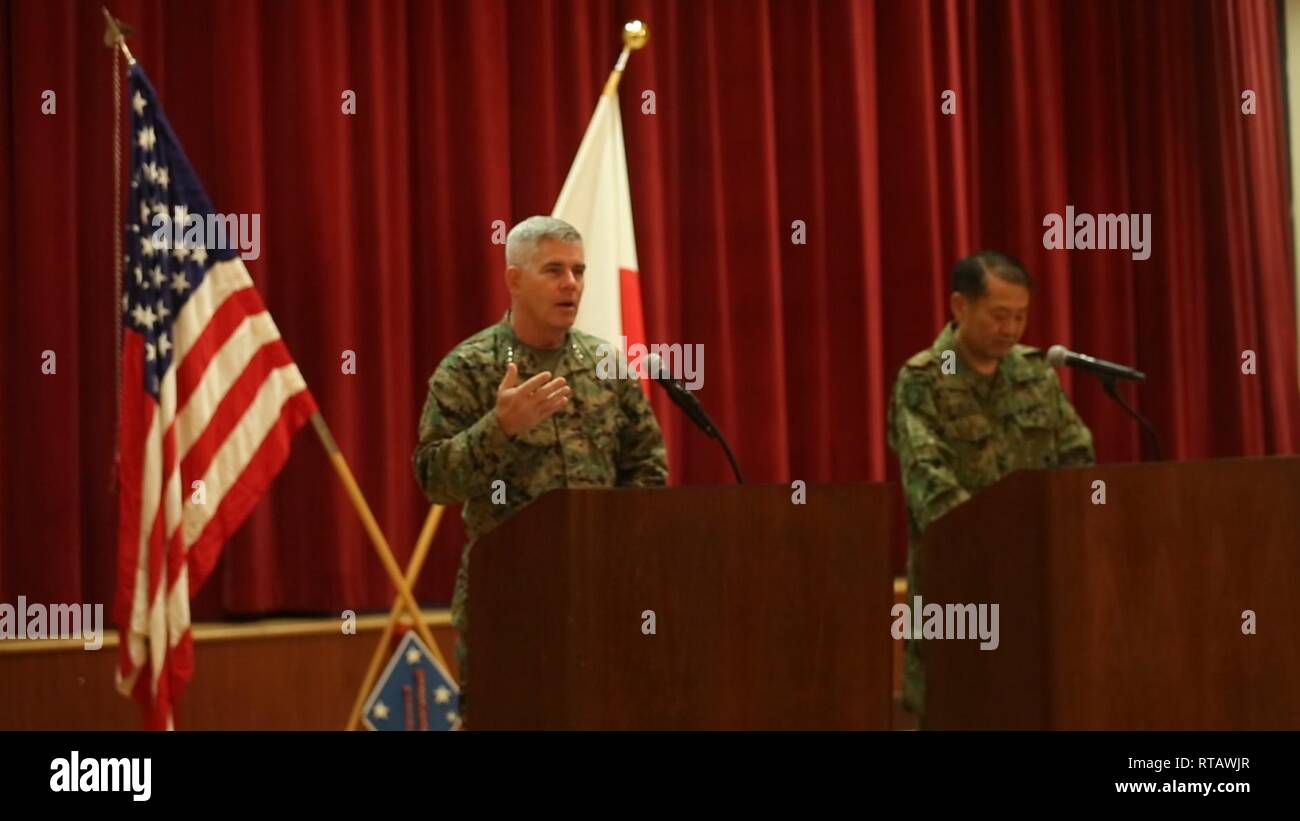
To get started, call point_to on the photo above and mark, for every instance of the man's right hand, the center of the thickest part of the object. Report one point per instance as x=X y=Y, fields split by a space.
x=521 y=407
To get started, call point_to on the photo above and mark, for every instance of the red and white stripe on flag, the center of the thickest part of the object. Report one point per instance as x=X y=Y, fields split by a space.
x=224 y=415
x=595 y=199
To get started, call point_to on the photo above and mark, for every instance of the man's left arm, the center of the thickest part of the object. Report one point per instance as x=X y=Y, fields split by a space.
x=642 y=458
x=1073 y=439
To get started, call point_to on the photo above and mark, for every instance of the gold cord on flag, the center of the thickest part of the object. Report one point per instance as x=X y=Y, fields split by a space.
x=117 y=257
x=115 y=39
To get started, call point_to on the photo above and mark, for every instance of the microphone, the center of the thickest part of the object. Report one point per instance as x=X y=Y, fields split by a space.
x=1109 y=373
x=681 y=396
x=690 y=404
x=1059 y=355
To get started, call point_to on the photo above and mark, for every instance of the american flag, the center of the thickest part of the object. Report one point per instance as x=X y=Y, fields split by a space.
x=209 y=394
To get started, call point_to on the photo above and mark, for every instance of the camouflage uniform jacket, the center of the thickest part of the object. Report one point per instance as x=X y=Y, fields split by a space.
x=957 y=433
x=606 y=436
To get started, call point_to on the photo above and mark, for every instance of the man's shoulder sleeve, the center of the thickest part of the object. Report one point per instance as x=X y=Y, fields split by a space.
x=1029 y=365
x=461 y=446
x=926 y=462
x=914 y=386
x=920 y=359
x=1073 y=438
x=1044 y=395
x=476 y=352
x=642 y=457
x=589 y=340
x=455 y=389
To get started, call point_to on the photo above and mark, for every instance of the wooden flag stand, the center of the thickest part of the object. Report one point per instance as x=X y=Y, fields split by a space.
x=405 y=600
x=383 y=648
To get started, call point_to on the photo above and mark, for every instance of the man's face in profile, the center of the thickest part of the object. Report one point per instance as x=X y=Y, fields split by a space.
x=991 y=324
x=548 y=290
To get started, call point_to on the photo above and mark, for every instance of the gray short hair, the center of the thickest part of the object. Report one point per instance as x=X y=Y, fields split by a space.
x=523 y=239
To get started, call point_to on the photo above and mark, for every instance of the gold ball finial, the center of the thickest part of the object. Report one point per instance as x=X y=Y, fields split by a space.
x=635 y=34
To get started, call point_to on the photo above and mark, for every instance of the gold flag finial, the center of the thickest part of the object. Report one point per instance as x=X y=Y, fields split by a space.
x=115 y=32
x=635 y=34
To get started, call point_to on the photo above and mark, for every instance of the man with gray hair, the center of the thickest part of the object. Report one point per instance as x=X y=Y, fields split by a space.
x=519 y=408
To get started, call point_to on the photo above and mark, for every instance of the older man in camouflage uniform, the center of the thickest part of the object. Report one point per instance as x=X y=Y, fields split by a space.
x=519 y=408
x=972 y=408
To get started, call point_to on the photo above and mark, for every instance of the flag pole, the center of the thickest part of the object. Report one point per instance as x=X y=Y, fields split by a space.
x=635 y=35
x=381 y=650
x=377 y=539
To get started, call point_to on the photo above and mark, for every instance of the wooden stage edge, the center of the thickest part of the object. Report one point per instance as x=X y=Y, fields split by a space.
x=272 y=674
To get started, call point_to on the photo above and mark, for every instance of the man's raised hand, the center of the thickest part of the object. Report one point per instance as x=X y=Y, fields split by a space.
x=522 y=407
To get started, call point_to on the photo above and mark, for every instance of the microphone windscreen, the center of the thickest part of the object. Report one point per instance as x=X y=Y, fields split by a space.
x=1056 y=355
x=654 y=366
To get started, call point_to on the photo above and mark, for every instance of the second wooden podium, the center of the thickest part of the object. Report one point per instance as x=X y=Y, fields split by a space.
x=1154 y=596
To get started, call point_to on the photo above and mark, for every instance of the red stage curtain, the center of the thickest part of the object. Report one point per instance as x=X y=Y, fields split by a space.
x=376 y=229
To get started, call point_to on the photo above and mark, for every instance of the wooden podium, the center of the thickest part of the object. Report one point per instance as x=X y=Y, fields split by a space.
x=767 y=614
x=1126 y=615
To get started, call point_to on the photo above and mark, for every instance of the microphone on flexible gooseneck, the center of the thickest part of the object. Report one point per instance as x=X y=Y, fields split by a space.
x=1109 y=373
x=690 y=405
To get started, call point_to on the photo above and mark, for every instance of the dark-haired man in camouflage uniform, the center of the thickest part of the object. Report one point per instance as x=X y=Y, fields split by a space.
x=521 y=402
x=970 y=409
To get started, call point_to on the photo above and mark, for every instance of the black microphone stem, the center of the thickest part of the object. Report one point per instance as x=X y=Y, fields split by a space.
x=712 y=430
x=687 y=401
x=731 y=457
x=1108 y=383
